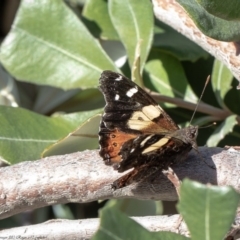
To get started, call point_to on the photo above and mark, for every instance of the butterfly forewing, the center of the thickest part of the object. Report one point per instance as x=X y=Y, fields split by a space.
x=129 y=107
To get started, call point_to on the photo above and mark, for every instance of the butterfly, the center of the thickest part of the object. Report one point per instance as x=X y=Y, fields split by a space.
x=136 y=133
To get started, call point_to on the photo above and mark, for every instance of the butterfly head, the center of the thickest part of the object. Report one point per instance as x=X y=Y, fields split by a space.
x=189 y=135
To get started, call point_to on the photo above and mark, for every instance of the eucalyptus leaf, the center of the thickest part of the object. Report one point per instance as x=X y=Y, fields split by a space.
x=211 y=25
x=222 y=130
x=207 y=210
x=132 y=27
x=49 y=45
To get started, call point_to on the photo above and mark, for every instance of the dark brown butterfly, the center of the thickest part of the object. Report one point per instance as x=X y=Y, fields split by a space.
x=135 y=132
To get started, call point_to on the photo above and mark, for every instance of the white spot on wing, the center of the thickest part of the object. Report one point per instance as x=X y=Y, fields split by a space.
x=117 y=97
x=119 y=78
x=132 y=150
x=131 y=92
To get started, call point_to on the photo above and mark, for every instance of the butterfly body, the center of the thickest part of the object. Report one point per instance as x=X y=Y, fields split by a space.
x=135 y=132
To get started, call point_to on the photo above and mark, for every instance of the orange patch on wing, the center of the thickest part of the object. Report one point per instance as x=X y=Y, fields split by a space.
x=115 y=141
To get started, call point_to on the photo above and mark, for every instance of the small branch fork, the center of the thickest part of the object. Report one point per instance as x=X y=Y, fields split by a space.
x=83 y=177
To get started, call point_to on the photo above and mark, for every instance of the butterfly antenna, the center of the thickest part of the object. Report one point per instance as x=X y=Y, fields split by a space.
x=206 y=83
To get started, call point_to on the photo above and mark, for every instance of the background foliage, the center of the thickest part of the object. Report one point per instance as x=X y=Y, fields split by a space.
x=52 y=59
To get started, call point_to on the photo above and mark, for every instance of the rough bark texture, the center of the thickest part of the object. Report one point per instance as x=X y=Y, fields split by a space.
x=171 y=13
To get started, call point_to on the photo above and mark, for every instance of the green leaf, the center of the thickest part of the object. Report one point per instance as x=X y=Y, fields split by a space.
x=96 y=11
x=49 y=98
x=84 y=100
x=25 y=134
x=84 y=137
x=210 y=25
x=221 y=81
x=132 y=27
x=169 y=82
x=222 y=130
x=134 y=207
x=75 y=119
x=228 y=10
x=116 y=225
x=208 y=210
x=62 y=211
x=172 y=42
x=49 y=45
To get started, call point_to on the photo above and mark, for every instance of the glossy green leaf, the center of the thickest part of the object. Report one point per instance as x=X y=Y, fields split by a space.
x=116 y=225
x=221 y=81
x=96 y=11
x=222 y=130
x=169 y=82
x=208 y=210
x=228 y=10
x=49 y=45
x=210 y=25
x=132 y=27
x=84 y=137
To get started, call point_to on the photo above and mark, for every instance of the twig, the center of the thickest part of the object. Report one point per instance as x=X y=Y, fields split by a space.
x=216 y=113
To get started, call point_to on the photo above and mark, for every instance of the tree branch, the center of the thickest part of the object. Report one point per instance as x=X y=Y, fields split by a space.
x=85 y=228
x=83 y=177
x=171 y=13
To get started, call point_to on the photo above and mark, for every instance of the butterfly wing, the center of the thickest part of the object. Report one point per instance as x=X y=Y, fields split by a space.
x=133 y=124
